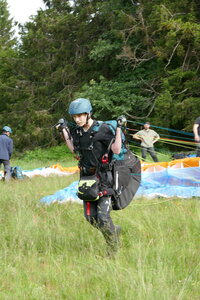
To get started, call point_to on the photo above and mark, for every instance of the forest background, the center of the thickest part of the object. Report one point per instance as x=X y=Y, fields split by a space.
x=141 y=59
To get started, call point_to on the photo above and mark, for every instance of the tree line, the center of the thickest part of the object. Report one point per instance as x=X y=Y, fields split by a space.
x=140 y=58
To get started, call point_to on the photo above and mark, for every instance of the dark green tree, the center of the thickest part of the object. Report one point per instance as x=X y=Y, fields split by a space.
x=167 y=34
x=8 y=56
x=139 y=58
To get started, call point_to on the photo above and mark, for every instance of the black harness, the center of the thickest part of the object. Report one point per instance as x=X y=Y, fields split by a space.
x=100 y=154
x=119 y=179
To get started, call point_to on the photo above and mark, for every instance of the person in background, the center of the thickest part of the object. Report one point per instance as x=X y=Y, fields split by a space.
x=196 y=131
x=147 y=137
x=6 y=149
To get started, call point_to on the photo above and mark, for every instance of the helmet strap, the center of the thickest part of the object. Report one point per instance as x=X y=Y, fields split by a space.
x=88 y=117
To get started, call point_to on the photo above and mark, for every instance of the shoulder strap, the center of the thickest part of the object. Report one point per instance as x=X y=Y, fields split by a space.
x=113 y=126
x=96 y=125
x=78 y=131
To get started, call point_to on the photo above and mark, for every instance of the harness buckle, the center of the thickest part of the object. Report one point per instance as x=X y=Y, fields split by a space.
x=104 y=159
x=103 y=193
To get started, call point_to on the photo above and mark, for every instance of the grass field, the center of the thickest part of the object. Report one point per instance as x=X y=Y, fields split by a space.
x=51 y=252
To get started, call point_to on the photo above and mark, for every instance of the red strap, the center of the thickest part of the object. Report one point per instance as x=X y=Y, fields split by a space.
x=103 y=193
x=104 y=159
x=88 y=208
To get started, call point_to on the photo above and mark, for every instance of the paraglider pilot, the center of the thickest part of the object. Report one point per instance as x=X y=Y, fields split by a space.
x=91 y=152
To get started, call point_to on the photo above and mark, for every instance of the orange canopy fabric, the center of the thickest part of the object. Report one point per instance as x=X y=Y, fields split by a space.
x=148 y=167
x=177 y=163
x=65 y=169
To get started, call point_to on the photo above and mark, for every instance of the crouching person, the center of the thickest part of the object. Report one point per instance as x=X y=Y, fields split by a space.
x=95 y=149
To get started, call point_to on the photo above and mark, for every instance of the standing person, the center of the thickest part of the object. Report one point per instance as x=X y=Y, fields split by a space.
x=147 y=137
x=93 y=151
x=196 y=131
x=6 y=149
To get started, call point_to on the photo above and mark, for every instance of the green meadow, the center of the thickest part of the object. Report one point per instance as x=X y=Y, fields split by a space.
x=51 y=252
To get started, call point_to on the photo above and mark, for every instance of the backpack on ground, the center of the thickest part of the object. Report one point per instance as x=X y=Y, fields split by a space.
x=16 y=173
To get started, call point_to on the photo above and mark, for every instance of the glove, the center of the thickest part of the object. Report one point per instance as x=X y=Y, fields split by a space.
x=121 y=121
x=62 y=123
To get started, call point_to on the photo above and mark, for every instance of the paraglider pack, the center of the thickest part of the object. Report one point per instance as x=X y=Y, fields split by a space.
x=120 y=173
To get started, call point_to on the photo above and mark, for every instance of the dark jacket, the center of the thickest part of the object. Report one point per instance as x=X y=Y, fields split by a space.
x=92 y=145
x=6 y=147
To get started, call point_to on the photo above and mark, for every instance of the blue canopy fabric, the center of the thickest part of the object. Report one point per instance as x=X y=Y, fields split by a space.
x=179 y=182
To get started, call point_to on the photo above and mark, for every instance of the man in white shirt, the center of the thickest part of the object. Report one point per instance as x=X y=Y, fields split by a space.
x=147 y=137
x=196 y=130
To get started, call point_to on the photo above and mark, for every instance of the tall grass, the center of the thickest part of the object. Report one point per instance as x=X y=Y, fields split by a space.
x=51 y=252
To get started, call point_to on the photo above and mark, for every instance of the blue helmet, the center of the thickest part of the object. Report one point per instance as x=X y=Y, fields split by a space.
x=80 y=106
x=7 y=129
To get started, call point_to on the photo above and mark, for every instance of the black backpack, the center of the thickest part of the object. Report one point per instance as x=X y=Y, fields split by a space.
x=127 y=178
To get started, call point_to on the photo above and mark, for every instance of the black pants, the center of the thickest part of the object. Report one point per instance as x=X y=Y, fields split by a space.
x=98 y=214
x=151 y=151
x=6 y=164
